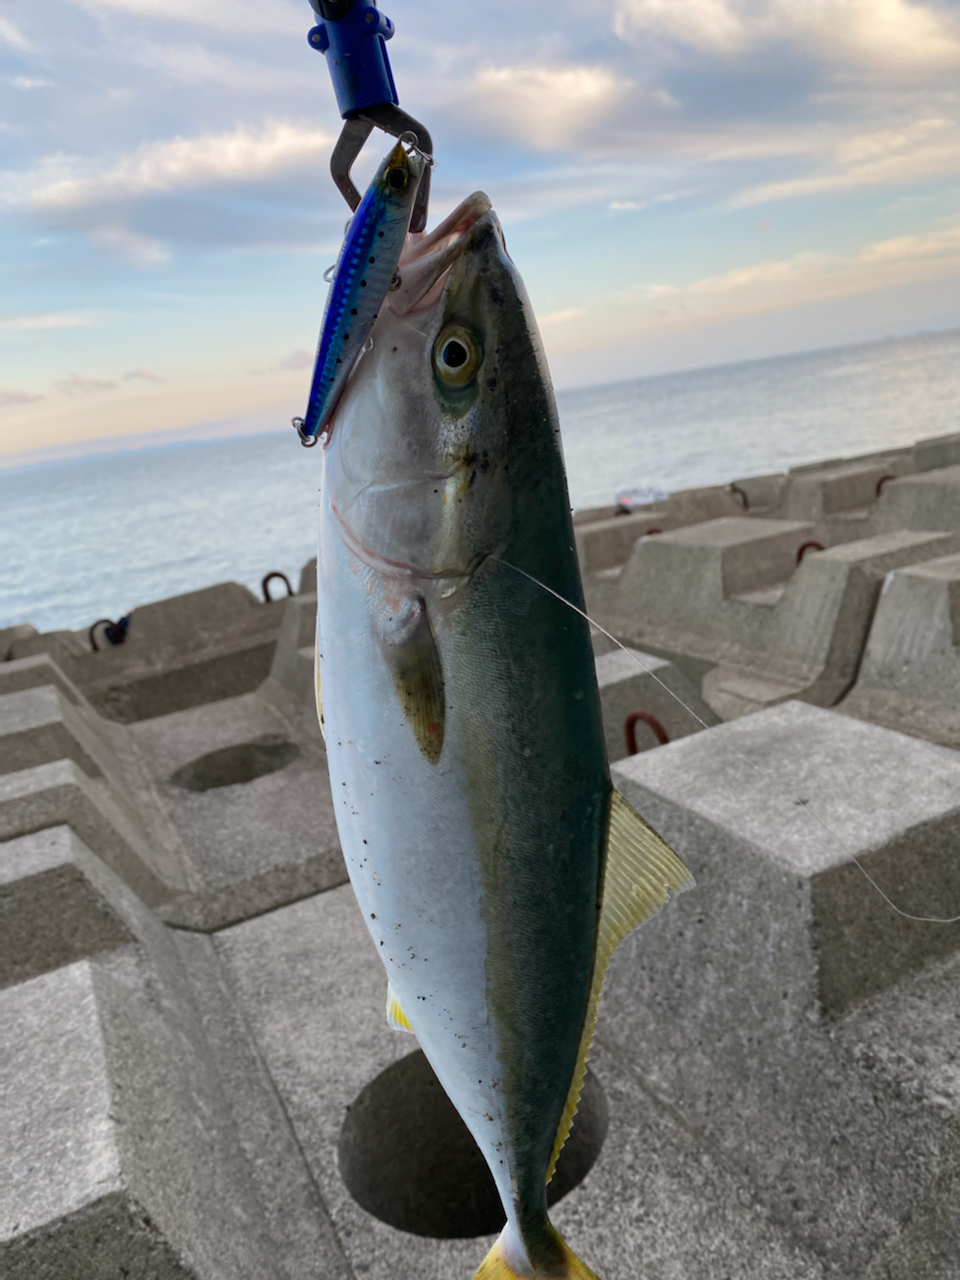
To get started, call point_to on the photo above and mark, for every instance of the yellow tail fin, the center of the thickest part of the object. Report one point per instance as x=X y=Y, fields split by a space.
x=495 y=1265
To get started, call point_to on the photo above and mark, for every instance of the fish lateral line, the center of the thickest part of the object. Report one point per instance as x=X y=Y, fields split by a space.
x=807 y=807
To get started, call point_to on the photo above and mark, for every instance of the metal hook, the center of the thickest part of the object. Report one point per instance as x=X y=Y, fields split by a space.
x=307 y=441
x=388 y=117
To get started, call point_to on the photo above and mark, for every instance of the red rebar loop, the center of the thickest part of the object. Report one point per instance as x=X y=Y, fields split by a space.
x=630 y=729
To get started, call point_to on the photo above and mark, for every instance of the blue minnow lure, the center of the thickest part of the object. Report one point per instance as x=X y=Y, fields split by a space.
x=364 y=272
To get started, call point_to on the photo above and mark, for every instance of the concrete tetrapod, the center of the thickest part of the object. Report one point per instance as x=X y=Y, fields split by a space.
x=909 y=678
x=124 y=1154
x=732 y=1006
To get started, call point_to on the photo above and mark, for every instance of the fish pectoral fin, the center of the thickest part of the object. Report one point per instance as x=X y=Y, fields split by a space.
x=640 y=870
x=411 y=653
x=396 y=1018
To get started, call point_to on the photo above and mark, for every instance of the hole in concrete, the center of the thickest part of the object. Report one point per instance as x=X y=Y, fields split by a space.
x=242 y=763
x=407 y=1157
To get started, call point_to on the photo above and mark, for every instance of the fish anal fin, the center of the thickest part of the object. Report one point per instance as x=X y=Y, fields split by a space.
x=640 y=870
x=496 y=1265
x=411 y=653
x=395 y=1016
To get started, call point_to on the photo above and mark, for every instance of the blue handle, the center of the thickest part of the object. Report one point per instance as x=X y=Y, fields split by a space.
x=353 y=37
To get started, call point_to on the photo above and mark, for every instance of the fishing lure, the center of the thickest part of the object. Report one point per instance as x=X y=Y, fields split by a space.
x=365 y=270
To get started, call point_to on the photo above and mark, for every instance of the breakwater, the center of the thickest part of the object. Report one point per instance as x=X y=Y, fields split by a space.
x=192 y=1008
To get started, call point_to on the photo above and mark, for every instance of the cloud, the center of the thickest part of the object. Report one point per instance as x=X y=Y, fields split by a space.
x=24 y=83
x=78 y=384
x=173 y=165
x=302 y=359
x=129 y=244
x=247 y=17
x=898 y=37
x=196 y=65
x=921 y=149
x=9 y=396
x=49 y=320
x=141 y=375
x=561 y=317
x=12 y=35
x=550 y=108
x=932 y=244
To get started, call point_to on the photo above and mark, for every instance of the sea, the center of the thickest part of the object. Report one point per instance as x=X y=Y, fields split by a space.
x=94 y=537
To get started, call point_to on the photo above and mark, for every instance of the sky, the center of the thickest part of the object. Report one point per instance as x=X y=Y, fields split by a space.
x=681 y=183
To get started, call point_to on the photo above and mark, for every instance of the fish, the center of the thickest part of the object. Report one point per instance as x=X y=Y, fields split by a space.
x=495 y=864
x=365 y=269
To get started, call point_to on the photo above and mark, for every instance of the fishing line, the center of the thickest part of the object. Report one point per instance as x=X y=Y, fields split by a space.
x=632 y=653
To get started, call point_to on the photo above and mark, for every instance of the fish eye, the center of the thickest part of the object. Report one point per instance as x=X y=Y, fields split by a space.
x=456 y=356
x=396 y=178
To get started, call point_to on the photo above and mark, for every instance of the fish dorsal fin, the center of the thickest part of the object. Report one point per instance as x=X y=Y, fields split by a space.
x=395 y=1015
x=411 y=652
x=639 y=871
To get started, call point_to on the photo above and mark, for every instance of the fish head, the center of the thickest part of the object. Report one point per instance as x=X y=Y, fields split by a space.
x=431 y=441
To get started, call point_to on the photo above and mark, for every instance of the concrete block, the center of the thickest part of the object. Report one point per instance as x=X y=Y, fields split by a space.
x=604 y=544
x=51 y=795
x=656 y=1203
x=937 y=452
x=253 y=837
x=930 y=500
x=720 y=1002
x=123 y=1154
x=293 y=658
x=39 y=669
x=40 y=725
x=10 y=634
x=308 y=579
x=185 y=651
x=762 y=492
x=673 y=592
x=711 y=502
x=590 y=515
x=909 y=678
x=58 y=903
x=634 y=681
x=818 y=495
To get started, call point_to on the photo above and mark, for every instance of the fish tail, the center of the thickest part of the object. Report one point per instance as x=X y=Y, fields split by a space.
x=497 y=1264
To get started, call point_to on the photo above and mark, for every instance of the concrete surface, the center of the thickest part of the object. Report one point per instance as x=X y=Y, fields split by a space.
x=909 y=677
x=779 y=1049
x=655 y=1204
x=930 y=500
x=59 y=793
x=58 y=903
x=125 y=1157
x=634 y=681
x=724 y=1003
x=251 y=845
x=185 y=651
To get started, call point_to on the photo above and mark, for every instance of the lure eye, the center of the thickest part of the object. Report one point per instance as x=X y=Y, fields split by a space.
x=456 y=356
x=397 y=179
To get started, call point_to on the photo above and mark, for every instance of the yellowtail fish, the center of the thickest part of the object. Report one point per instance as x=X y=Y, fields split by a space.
x=495 y=865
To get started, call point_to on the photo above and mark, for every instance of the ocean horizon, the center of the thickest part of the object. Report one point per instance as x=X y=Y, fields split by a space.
x=95 y=535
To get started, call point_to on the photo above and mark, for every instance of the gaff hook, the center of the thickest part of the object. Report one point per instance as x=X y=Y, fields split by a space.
x=353 y=36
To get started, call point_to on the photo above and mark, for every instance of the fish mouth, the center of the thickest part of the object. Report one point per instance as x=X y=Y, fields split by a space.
x=427 y=258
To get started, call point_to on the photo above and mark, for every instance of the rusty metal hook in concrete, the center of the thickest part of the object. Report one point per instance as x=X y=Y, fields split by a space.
x=645 y=717
x=808 y=546
x=114 y=632
x=265 y=585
